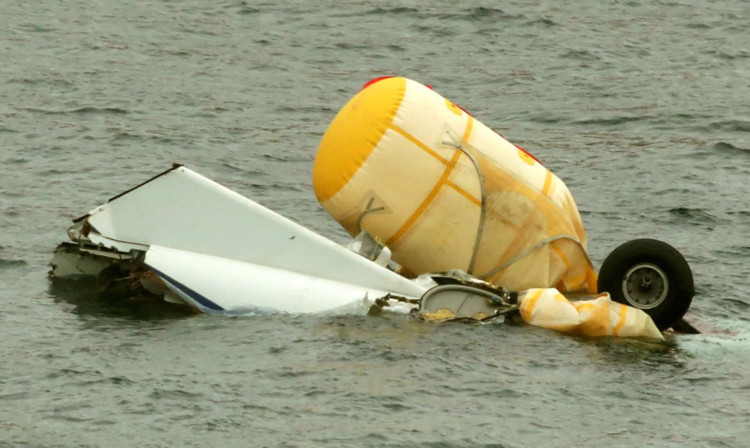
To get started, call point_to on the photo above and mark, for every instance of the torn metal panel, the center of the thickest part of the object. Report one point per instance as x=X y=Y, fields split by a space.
x=184 y=210
x=77 y=260
x=214 y=284
x=218 y=251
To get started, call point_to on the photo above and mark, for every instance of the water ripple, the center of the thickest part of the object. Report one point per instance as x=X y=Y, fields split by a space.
x=79 y=111
x=640 y=106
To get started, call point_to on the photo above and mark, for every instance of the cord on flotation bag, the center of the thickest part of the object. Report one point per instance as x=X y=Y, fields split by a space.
x=444 y=191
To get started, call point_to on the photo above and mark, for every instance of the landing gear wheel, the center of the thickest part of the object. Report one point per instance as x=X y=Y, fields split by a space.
x=650 y=275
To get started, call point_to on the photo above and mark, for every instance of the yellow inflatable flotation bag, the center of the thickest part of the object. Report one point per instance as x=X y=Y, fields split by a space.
x=443 y=191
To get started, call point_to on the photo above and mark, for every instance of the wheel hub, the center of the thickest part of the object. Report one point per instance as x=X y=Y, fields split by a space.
x=645 y=286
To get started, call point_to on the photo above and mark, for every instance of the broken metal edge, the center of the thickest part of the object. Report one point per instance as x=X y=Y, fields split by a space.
x=71 y=260
x=175 y=166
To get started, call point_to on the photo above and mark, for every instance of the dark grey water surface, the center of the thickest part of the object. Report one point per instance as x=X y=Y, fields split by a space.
x=642 y=107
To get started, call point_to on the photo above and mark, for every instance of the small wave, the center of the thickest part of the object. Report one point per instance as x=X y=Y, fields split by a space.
x=37 y=27
x=547 y=119
x=249 y=173
x=80 y=111
x=612 y=121
x=741 y=54
x=88 y=378
x=674 y=190
x=244 y=8
x=735 y=251
x=486 y=13
x=352 y=46
x=692 y=216
x=482 y=11
x=727 y=148
x=248 y=10
x=735 y=307
x=482 y=14
x=52 y=82
x=275 y=157
x=730 y=125
x=174 y=394
x=179 y=53
x=691 y=212
x=544 y=21
x=126 y=136
x=98 y=110
x=669 y=121
x=698 y=26
x=6 y=263
x=580 y=55
x=392 y=11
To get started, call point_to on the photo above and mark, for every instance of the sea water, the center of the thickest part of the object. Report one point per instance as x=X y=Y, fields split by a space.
x=642 y=107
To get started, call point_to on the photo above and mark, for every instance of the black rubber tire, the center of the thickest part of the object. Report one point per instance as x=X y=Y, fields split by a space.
x=651 y=275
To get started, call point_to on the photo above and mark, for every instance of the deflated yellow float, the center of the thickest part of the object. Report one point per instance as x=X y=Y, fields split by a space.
x=443 y=191
x=599 y=316
x=541 y=307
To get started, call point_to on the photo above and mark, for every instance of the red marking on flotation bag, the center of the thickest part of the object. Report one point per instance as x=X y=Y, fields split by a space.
x=466 y=111
x=373 y=81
